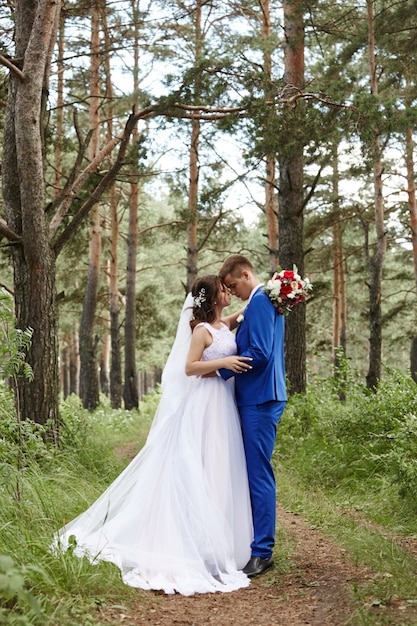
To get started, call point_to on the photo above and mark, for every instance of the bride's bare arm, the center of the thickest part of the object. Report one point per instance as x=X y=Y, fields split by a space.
x=200 y=340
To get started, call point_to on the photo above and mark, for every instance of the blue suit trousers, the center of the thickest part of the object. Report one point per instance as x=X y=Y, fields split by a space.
x=259 y=429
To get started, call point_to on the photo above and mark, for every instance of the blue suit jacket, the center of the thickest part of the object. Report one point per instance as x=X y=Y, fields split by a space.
x=261 y=336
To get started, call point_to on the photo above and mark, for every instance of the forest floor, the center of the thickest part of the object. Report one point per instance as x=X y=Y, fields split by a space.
x=317 y=591
x=316 y=588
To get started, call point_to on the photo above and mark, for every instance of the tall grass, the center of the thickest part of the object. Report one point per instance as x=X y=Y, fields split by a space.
x=350 y=468
x=332 y=457
x=38 y=586
x=365 y=444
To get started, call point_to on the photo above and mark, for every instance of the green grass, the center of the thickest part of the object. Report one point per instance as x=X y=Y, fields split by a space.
x=348 y=468
x=38 y=586
x=392 y=569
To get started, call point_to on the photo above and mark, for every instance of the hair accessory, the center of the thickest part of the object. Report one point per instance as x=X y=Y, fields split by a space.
x=198 y=300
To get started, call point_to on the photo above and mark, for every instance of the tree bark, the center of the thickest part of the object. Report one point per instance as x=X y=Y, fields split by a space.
x=413 y=359
x=375 y=261
x=35 y=243
x=59 y=109
x=271 y=204
x=74 y=386
x=89 y=378
x=130 y=389
x=24 y=202
x=116 y=364
x=339 y=287
x=192 y=228
x=115 y=379
x=105 y=360
x=412 y=208
x=192 y=253
x=291 y=193
x=65 y=372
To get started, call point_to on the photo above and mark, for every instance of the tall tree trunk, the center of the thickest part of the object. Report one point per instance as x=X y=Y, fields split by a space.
x=291 y=193
x=89 y=380
x=375 y=261
x=130 y=389
x=58 y=160
x=412 y=208
x=65 y=371
x=339 y=286
x=411 y=192
x=74 y=385
x=192 y=252
x=271 y=211
x=59 y=108
x=35 y=242
x=116 y=386
x=192 y=229
x=271 y=205
x=105 y=359
x=24 y=204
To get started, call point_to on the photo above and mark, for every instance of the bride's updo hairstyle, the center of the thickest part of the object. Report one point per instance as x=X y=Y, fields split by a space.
x=204 y=292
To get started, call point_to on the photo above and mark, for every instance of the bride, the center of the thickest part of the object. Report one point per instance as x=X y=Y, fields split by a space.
x=178 y=518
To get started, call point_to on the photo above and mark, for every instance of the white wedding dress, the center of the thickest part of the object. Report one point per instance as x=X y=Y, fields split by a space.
x=178 y=518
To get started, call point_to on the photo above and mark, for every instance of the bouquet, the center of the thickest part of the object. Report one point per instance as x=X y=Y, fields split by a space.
x=286 y=289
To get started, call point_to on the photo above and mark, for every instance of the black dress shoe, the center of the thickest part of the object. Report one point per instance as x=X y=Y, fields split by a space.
x=257 y=565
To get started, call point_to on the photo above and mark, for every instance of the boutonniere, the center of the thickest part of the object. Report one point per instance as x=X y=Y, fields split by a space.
x=240 y=318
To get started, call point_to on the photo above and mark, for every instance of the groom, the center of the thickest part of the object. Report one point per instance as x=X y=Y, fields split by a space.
x=261 y=398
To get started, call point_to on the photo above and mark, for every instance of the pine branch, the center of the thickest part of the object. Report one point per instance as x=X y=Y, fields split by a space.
x=8 y=232
x=12 y=66
x=103 y=185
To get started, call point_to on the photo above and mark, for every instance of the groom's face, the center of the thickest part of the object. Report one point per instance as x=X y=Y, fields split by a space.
x=239 y=286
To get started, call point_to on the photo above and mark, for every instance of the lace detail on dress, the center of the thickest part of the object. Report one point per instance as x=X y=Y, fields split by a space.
x=224 y=342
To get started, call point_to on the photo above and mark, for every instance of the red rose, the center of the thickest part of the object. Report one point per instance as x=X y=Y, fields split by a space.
x=285 y=289
x=288 y=274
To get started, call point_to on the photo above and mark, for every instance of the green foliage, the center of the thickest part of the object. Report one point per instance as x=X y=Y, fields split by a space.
x=377 y=547
x=370 y=438
x=150 y=404
x=401 y=453
x=356 y=453
x=18 y=606
x=14 y=342
x=87 y=436
x=58 y=484
x=349 y=468
x=20 y=441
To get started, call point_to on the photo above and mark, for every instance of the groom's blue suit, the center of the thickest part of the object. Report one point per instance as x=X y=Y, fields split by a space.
x=261 y=398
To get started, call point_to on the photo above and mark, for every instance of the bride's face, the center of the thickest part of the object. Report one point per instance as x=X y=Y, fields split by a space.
x=224 y=296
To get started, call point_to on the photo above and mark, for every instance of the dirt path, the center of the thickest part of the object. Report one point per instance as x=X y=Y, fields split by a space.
x=316 y=591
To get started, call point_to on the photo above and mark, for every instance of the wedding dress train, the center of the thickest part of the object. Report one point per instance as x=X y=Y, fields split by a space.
x=178 y=518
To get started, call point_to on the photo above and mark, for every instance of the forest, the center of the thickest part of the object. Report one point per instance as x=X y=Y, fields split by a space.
x=153 y=139
x=141 y=143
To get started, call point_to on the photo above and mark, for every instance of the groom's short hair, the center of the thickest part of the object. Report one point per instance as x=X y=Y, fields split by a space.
x=234 y=265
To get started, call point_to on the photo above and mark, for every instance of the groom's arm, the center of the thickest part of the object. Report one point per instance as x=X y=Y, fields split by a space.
x=260 y=331
x=261 y=323
x=225 y=374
